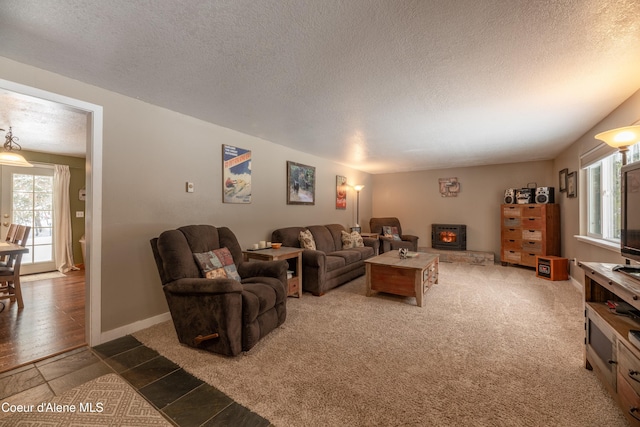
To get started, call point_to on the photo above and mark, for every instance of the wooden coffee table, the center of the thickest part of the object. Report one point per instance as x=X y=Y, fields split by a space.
x=411 y=277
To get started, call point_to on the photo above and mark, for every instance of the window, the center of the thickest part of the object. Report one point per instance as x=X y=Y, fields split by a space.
x=603 y=195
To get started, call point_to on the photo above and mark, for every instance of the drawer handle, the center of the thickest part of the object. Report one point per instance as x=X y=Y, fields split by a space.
x=612 y=362
x=632 y=375
x=632 y=412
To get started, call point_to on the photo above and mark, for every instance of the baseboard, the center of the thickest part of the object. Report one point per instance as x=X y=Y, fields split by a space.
x=133 y=327
x=577 y=284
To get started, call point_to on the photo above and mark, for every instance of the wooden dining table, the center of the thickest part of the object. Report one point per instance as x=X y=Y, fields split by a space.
x=7 y=249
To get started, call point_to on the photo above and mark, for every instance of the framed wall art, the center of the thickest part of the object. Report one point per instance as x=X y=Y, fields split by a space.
x=572 y=184
x=301 y=184
x=449 y=187
x=341 y=192
x=562 y=180
x=236 y=175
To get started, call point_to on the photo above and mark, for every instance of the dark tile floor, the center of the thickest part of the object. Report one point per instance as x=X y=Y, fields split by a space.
x=180 y=397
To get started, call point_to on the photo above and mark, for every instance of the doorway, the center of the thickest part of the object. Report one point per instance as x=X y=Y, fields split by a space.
x=93 y=206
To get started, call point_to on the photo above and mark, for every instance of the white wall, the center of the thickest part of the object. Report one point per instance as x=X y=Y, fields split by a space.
x=149 y=153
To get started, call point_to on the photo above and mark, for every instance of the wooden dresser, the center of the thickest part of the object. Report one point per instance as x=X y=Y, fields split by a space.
x=527 y=231
x=608 y=350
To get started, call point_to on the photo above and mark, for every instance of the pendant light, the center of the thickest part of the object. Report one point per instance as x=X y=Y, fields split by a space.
x=10 y=155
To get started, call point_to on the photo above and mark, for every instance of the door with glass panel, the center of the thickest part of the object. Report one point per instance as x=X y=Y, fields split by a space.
x=27 y=199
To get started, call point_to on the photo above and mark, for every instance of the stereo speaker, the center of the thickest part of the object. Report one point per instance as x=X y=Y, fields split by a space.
x=509 y=196
x=552 y=267
x=545 y=195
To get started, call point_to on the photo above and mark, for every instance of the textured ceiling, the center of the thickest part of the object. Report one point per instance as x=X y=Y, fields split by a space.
x=382 y=86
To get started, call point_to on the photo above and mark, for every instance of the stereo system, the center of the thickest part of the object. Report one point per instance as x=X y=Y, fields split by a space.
x=522 y=196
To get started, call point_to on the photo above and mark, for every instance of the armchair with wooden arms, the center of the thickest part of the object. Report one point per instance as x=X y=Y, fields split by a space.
x=220 y=314
x=393 y=239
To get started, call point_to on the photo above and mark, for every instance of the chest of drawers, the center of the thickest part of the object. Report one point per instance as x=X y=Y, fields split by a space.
x=527 y=231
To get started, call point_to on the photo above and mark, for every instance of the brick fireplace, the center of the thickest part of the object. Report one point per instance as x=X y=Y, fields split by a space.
x=449 y=237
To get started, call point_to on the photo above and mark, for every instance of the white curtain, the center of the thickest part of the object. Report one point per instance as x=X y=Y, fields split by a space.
x=63 y=242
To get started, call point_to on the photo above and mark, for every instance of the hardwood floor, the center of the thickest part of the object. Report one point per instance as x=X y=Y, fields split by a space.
x=51 y=322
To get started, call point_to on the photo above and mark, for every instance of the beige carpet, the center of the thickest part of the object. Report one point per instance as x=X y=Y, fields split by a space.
x=112 y=400
x=493 y=346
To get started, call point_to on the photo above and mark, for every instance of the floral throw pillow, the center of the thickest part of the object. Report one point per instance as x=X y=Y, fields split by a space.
x=217 y=264
x=351 y=240
x=306 y=240
x=391 y=232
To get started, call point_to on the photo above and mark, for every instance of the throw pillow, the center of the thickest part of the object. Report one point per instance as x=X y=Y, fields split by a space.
x=391 y=232
x=306 y=240
x=351 y=240
x=217 y=264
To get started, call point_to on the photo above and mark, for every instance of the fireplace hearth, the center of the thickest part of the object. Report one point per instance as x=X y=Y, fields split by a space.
x=451 y=237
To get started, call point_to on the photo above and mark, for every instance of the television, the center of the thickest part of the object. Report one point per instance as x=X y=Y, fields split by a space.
x=630 y=214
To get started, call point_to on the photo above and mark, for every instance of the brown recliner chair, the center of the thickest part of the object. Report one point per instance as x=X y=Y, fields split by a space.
x=376 y=225
x=221 y=315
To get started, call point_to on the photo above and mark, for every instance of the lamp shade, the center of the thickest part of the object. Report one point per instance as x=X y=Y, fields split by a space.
x=11 y=158
x=620 y=137
x=358 y=187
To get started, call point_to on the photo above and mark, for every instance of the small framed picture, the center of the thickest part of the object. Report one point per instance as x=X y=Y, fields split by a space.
x=301 y=184
x=341 y=192
x=562 y=177
x=572 y=184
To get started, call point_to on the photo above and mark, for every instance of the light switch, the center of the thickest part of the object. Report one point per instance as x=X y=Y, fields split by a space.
x=189 y=187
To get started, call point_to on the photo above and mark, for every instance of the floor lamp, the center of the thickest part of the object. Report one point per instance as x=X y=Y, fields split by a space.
x=358 y=188
x=621 y=138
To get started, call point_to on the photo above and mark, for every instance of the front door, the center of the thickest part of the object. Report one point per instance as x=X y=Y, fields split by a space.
x=27 y=199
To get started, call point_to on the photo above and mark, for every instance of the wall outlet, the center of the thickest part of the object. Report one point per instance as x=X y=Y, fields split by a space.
x=79 y=214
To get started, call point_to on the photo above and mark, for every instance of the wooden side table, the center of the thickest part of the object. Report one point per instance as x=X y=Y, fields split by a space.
x=283 y=253
x=375 y=236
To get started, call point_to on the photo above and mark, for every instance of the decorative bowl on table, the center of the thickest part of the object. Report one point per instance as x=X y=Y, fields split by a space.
x=276 y=245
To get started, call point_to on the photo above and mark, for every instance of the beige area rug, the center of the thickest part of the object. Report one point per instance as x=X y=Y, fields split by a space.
x=112 y=400
x=41 y=276
x=492 y=346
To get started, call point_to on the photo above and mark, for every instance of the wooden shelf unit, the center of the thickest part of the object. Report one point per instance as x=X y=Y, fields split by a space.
x=607 y=350
x=527 y=231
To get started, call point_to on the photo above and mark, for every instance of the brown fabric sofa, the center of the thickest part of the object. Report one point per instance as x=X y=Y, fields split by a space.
x=240 y=312
x=329 y=265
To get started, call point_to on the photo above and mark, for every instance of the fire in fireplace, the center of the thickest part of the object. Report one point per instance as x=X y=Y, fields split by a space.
x=449 y=237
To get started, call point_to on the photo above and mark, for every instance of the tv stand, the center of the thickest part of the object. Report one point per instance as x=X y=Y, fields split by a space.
x=629 y=270
x=608 y=350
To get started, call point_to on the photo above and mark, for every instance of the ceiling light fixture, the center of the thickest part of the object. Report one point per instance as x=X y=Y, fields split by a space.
x=621 y=138
x=10 y=157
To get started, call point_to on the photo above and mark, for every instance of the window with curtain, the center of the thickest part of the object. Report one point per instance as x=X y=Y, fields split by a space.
x=603 y=194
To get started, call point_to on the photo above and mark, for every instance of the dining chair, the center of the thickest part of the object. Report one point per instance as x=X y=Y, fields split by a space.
x=11 y=232
x=10 y=273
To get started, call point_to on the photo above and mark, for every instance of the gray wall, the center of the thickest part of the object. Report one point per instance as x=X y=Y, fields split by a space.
x=574 y=223
x=414 y=197
x=149 y=153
